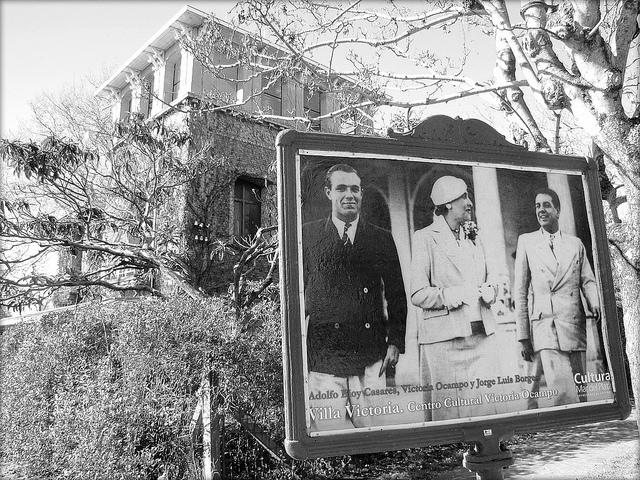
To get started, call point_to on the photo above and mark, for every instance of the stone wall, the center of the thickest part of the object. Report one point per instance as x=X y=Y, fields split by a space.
x=238 y=147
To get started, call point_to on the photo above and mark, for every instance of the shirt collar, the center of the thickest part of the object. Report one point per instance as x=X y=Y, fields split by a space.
x=547 y=235
x=339 y=224
x=443 y=226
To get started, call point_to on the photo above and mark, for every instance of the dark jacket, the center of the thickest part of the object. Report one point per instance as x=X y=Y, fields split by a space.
x=344 y=290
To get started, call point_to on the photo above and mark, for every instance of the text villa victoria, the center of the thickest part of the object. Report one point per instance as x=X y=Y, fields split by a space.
x=461 y=395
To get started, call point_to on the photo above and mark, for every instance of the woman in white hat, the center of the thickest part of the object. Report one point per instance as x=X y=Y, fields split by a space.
x=449 y=283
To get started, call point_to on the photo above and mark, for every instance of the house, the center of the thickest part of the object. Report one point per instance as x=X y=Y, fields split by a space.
x=239 y=110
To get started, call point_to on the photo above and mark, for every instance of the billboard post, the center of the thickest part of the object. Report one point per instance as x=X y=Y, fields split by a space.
x=440 y=286
x=488 y=457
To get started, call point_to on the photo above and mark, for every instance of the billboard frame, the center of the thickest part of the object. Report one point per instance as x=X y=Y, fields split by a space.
x=468 y=142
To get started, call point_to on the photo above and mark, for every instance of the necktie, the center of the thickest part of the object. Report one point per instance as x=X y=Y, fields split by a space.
x=345 y=238
x=551 y=238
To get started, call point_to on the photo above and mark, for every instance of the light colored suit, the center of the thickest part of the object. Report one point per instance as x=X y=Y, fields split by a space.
x=549 y=310
x=450 y=351
x=438 y=263
x=557 y=319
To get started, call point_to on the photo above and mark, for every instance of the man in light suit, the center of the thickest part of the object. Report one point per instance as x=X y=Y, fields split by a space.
x=449 y=283
x=551 y=324
x=351 y=268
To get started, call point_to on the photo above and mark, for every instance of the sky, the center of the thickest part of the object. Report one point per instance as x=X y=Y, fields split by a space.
x=49 y=45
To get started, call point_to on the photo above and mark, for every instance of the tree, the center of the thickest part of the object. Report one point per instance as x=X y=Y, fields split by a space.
x=112 y=201
x=573 y=57
x=96 y=192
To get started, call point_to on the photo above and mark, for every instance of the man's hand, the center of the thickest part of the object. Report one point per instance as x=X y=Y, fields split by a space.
x=596 y=312
x=390 y=359
x=526 y=349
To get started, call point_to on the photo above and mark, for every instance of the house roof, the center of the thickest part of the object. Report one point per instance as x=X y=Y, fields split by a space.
x=163 y=39
x=188 y=16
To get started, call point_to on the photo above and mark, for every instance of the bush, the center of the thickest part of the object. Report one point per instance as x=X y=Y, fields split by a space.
x=107 y=392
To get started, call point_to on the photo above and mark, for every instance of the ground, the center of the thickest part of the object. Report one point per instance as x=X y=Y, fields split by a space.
x=599 y=451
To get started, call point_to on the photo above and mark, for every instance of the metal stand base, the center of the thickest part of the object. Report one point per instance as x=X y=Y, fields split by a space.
x=488 y=458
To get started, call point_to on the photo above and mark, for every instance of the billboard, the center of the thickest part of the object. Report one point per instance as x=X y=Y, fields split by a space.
x=438 y=284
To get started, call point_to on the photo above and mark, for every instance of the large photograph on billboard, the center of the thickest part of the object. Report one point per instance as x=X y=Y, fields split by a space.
x=441 y=286
x=436 y=291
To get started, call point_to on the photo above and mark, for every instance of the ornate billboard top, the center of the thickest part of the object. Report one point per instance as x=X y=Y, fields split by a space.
x=457 y=131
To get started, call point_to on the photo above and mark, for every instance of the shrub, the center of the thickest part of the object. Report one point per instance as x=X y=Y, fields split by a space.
x=107 y=391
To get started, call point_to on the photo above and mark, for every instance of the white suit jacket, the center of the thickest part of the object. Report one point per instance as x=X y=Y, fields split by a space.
x=554 y=316
x=438 y=263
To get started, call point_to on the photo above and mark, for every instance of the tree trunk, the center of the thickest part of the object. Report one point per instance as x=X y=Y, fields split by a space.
x=631 y=306
x=619 y=139
x=3 y=310
x=629 y=275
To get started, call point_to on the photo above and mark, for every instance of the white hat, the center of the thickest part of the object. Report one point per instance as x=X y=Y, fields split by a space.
x=447 y=189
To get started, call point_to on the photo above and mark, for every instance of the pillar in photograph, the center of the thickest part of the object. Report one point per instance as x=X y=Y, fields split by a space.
x=398 y=205
x=489 y=214
x=560 y=183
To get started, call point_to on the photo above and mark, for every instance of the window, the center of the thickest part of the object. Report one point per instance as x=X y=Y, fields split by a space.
x=271 y=95
x=312 y=106
x=171 y=82
x=126 y=104
x=221 y=83
x=175 y=80
x=240 y=86
x=246 y=208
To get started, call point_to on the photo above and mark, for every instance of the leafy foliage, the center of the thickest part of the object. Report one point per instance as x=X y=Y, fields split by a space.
x=108 y=390
x=46 y=161
x=107 y=204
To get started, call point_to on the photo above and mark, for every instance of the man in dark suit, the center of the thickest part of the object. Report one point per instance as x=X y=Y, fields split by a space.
x=351 y=269
x=551 y=272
